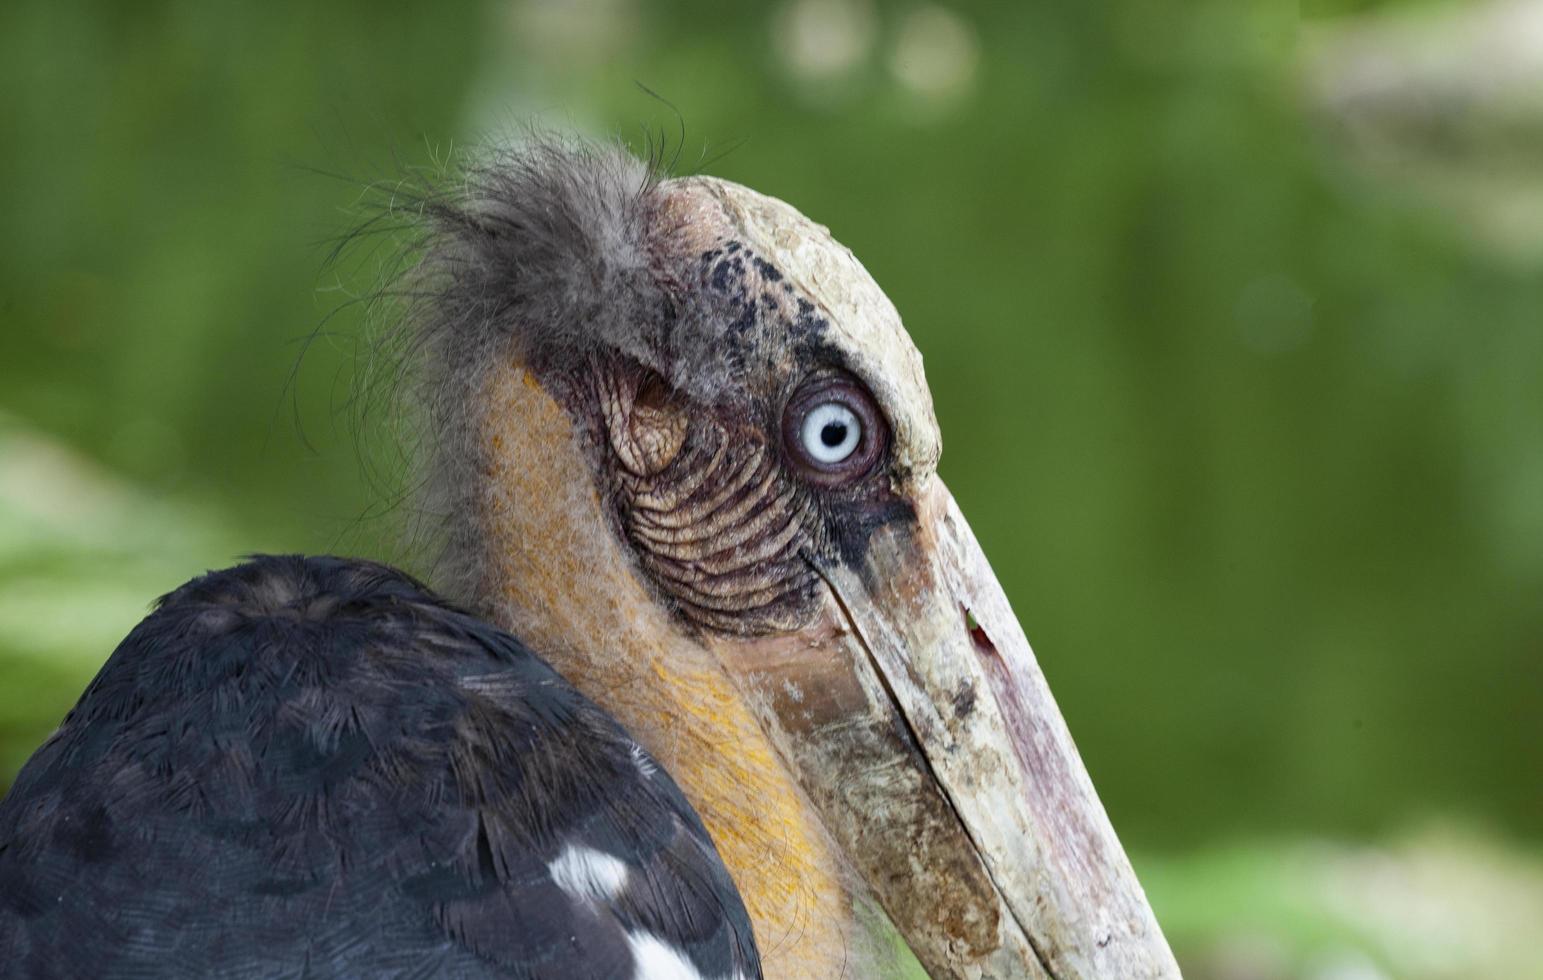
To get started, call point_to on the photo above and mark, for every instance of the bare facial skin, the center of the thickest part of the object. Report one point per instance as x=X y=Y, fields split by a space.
x=702 y=482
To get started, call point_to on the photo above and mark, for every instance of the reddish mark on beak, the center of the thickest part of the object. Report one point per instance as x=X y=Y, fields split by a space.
x=977 y=631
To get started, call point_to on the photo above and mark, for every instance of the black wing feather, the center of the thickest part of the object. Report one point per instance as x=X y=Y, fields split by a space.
x=314 y=768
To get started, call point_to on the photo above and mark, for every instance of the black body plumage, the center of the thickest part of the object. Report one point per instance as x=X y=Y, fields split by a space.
x=314 y=768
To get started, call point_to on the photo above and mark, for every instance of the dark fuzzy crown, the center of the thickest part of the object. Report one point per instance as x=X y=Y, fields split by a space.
x=544 y=253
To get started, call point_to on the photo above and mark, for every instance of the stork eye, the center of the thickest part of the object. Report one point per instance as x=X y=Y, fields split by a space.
x=833 y=431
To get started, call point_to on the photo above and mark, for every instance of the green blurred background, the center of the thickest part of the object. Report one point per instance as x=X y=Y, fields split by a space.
x=1231 y=310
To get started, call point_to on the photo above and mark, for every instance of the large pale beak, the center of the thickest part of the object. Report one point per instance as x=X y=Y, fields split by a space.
x=923 y=730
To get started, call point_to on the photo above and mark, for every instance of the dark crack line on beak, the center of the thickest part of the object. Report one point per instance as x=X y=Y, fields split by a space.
x=911 y=733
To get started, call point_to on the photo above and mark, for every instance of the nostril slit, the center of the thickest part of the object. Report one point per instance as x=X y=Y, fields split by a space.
x=977 y=631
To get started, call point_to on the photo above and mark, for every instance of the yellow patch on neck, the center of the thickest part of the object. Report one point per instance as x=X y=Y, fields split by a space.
x=562 y=581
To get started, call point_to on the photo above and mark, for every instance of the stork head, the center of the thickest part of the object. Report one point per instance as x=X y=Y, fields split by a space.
x=683 y=445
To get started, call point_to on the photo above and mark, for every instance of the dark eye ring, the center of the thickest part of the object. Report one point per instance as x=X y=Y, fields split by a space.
x=833 y=431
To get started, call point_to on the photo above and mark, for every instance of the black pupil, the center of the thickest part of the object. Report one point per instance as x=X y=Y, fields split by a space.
x=834 y=434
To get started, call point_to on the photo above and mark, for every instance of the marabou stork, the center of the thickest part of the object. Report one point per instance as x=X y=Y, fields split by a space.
x=683 y=449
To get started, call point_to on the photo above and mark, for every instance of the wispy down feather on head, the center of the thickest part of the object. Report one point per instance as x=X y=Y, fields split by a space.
x=544 y=249
x=555 y=249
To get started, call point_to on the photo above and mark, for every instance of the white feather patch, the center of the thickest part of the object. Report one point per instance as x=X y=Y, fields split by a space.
x=588 y=874
x=655 y=959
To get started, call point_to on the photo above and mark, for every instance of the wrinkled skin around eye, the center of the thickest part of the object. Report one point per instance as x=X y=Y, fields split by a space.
x=709 y=507
x=722 y=515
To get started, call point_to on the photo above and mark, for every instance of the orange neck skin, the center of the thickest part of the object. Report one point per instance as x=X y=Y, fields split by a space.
x=557 y=575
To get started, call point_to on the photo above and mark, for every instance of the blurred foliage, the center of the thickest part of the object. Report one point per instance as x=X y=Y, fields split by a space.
x=1253 y=431
x=1435 y=903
